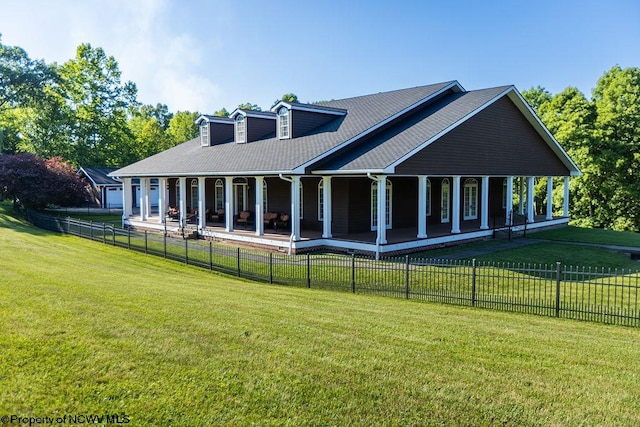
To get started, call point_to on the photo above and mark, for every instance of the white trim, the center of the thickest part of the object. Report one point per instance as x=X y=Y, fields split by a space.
x=455 y=205
x=287 y=126
x=327 y=206
x=549 y=198
x=310 y=108
x=302 y=167
x=509 y=202
x=470 y=211
x=423 y=195
x=484 y=204
x=530 y=202
x=259 y=205
x=214 y=119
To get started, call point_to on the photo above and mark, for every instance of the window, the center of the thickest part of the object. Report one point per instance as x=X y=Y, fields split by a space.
x=241 y=129
x=204 y=133
x=444 y=200
x=265 y=206
x=428 y=197
x=321 y=200
x=194 y=194
x=374 y=205
x=470 y=208
x=219 y=195
x=283 y=123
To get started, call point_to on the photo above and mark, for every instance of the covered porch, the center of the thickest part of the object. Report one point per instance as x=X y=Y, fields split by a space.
x=342 y=212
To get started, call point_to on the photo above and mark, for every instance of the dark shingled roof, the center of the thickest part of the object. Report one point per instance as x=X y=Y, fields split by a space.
x=384 y=149
x=99 y=176
x=283 y=155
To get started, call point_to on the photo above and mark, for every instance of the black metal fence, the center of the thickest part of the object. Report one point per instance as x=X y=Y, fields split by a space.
x=584 y=293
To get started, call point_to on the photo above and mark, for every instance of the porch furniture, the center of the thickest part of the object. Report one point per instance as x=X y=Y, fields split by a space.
x=270 y=218
x=173 y=213
x=244 y=217
x=282 y=222
x=218 y=215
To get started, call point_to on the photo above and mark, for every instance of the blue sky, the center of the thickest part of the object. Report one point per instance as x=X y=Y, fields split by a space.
x=202 y=55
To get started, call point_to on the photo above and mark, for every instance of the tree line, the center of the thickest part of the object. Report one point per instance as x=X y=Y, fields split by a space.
x=82 y=112
x=602 y=136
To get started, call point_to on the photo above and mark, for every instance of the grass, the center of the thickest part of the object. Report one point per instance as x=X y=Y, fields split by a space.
x=590 y=235
x=88 y=328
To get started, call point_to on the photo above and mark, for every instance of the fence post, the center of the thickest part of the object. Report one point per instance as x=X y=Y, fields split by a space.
x=270 y=267
x=113 y=235
x=210 y=255
x=473 y=282
x=164 y=243
x=353 y=273
x=145 y=242
x=308 y=271
x=406 y=276
x=129 y=238
x=186 y=251
x=91 y=230
x=238 y=257
x=68 y=226
x=104 y=233
x=558 y=271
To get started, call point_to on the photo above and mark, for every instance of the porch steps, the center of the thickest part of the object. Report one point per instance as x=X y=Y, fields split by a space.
x=185 y=233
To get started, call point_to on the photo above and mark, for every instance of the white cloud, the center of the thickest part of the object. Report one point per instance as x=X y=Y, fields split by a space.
x=166 y=64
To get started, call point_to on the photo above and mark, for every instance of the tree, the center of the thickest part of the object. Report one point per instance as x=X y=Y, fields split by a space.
x=287 y=97
x=98 y=103
x=221 y=113
x=21 y=78
x=536 y=97
x=37 y=183
x=616 y=147
x=182 y=126
x=249 y=106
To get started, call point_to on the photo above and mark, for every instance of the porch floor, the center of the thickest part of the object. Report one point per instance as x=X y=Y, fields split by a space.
x=397 y=235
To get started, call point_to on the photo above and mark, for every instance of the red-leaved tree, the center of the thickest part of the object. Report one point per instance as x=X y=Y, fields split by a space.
x=36 y=183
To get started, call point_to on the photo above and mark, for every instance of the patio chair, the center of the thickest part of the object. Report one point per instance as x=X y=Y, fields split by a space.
x=218 y=215
x=270 y=218
x=281 y=222
x=244 y=217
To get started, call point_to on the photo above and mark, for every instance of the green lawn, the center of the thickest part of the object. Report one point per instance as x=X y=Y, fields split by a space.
x=89 y=328
x=590 y=235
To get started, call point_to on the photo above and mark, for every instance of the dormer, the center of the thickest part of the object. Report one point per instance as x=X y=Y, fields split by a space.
x=214 y=130
x=295 y=119
x=252 y=125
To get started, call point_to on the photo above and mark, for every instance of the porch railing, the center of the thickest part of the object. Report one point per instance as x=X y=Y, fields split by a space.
x=557 y=290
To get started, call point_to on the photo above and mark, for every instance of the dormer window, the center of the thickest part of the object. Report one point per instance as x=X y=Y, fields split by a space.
x=283 y=123
x=241 y=129
x=204 y=133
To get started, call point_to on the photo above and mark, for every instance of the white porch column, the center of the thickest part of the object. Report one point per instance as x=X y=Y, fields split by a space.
x=565 y=202
x=259 y=204
x=228 y=203
x=522 y=196
x=382 y=209
x=326 y=207
x=422 y=207
x=484 y=204
x=143 y=199
x=455 y=219
x=549 y=198
x=509 y=204
x=127 y=198
x=202 y=205
x=162 y=198
x=530 y=205
x=147 y=198
x=183 y=200
x=295 y=207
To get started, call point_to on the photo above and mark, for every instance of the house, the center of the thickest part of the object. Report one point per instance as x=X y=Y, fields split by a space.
x=106 y=191
x=380 y=173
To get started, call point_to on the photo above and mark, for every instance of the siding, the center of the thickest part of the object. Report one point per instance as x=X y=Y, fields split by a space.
x=496 y=141
x=258 y=128
x=405 y=202
x=359 y=205
x=278 y=195
x=219 y=133
x=303 y=122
